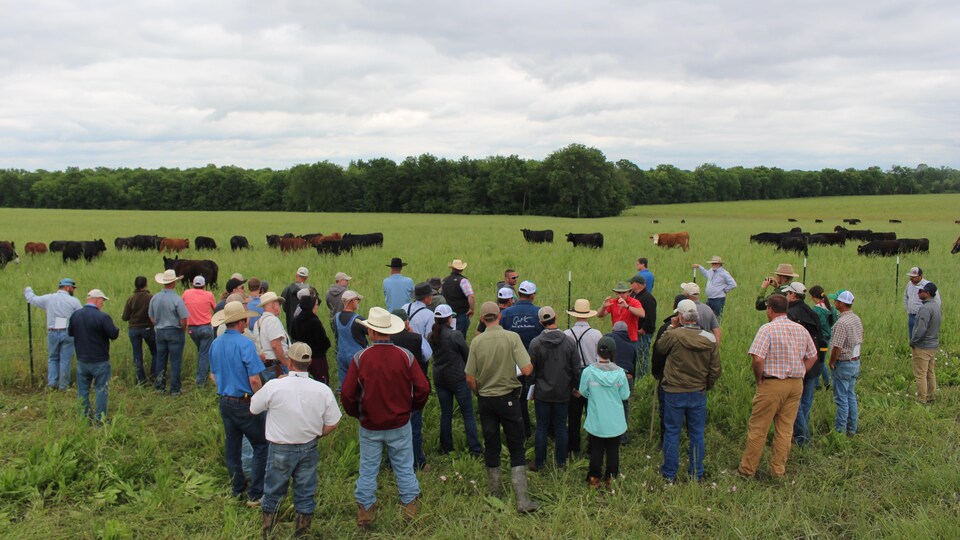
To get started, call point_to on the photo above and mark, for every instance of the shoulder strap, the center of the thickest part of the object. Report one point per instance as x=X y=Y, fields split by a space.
x=579 y=339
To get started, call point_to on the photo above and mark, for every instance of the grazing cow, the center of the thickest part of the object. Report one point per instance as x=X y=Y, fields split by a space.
x=121 y=243
x=317 y=239
x=956 y=247
x=8 y=253
x=57 y=245
x=852 y=221
x=330 y=245
x=797 y=243
x=273 y=240
x=239 y=242
x=883 y=236
x=879 y=247
x=292 y=244
x=818 y=221
x=795 y=230
x=174 y=244
x=914 y=244
x=672 y=240
x=35 y=248
x=957 y=221
x=145 y=242
x=828 y=239
x=310 y=236
x=350 y=241
x=591 y=240
x=655 y=221
x=71 y=251
x=855 y=234
x=537 y=237
x=895 y=221
x=771 y=238
x=683 y=221
x=791 y=220
x=204 y=242
x=93 y=248
x=191 y=268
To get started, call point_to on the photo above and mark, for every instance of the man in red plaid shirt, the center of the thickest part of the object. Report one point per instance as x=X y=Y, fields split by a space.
x=782 y=352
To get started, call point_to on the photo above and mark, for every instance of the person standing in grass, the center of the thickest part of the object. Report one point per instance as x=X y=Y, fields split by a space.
x=351 y=335
x=397 y=288
x=169 y=316
x=505 y=299
x=491 y=372
x=92 y=331
x=691 y=369
x=301 y=411
x=272 y=340
x=450 y=353
x=384 y=385
x=719 y=283
x=799 y=312
x=707 y=319
x=645 y=273
x=310 y=331
x=200 y=304
x=417 y=344
x=59 y=307
x=626 y=358
x=334 y=297
x=782 y=352
x=781 y=277
x=623 y=308
x=289 y=294
x=458 y=292
x=845 y=362
x=253 y=304
x=510 y=277
x=586 y=339
x=911 y=296
x=604 y=384
x=828 y=316
x=925 y=342
x=647 y=324
x=521 y=319
x=140 y=329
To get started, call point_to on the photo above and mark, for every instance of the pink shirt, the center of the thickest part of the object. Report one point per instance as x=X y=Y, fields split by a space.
x=622 y=314
x=783 y=344
x=200 y=305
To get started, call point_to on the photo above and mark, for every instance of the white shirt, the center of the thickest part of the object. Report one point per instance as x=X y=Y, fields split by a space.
x=298 y=408
x=589 y=337
x=268 y=329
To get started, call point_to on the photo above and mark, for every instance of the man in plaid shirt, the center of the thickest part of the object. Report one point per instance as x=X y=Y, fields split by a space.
x=845 y=340
x=782 y=352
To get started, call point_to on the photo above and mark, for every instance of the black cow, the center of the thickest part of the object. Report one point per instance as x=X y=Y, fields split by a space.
x=591 y=240
x=895 y=221
x=856 y=234
x=331 y=246
x=273 y=240
x=8 y=254
x=956 y=247
x=191 y=268
x=93 y=248
x=829 y=239
x=771 y=238
x=797 y=243
x=818 y=221
x=204 y=242
x=71 y=251
x=349 y=240
x=795 y=230
x=879 y=247
x=57 y=245
x=914 y=244
x=883 y=236
x=538 y=237
x=146 y=242
x=239 y=242
x=123 y=242
x=852 y=221
x=791 y=220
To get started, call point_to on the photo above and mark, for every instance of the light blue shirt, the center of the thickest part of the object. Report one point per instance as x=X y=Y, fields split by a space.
x=166 y=309
x=719 y=282
x=233 y=360
x=59 y=307
x=648 y=277
x=397 y=291
x=421 y=317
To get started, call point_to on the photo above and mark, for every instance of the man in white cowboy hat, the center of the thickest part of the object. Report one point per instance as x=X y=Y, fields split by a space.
x=457 y=290
x=397 y=288
x=719 y=283
x=384 y=385
x=235 y=368
x=781 y=277
x=92 y=330
x=169 y=316
x=59 y=306
x=586 y=339
x=271 y=337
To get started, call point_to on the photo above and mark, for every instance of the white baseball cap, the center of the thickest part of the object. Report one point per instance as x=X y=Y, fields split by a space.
x=527 y=287
x=97 y=293
x=198 y=281
x=303 y=272
x=505 y=293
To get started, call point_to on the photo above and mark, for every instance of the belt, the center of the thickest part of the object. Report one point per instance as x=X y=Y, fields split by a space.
x=56 y=329
x=771 y=377
x=231 y=398
x=196 y=325
x=854 y=359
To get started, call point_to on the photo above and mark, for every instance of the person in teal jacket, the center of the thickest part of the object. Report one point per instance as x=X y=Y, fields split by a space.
x=828 y=315
x=604 y=384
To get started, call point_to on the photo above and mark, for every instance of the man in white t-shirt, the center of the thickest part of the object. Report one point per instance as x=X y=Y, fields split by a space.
x=272 y=338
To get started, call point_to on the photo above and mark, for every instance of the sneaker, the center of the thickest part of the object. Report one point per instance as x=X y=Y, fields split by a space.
x=254 y=503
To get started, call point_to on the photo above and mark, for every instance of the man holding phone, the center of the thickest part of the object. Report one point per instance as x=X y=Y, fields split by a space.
x=624 y=308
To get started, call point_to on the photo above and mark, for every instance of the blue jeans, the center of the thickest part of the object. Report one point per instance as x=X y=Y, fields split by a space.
x=801 y=426
x=463 y=324
x=399 y=444
x=246 y=457
x=680 y=408
x=465 y=400
x=202 y=337
x=97 y=373
x=824 y=374
x=911 y=319
x=137 y=337
x=643 y=360
x=169 y=346
x=237 y=422
x=716 y=304
x=60 y=350
x=844 y=395
x=551 y=415
x=298 y=461
x=416 y=426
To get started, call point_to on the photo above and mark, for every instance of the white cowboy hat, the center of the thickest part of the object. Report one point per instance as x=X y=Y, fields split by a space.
x=382 y=321
x=166 y=277
x=581 y=309
x=457 y=264
x=270 y=297
x=232 y=312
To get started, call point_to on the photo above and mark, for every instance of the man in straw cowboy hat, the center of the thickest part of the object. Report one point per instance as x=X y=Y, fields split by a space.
x=719 y=283
x=169 y=315
x=586 y=339
x=384 y=385
x=235 y=368
x=397 y=288
x=458 y=292
x=271 y=336
x=782 y=277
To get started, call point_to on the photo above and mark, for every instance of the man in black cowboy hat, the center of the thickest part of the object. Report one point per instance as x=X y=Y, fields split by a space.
x=397 y=288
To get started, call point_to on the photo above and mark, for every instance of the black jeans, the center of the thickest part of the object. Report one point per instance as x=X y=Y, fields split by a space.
x=578 y=406
x=600 y=446
x=502 y=411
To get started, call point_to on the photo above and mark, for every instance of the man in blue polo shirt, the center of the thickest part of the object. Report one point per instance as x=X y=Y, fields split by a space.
x=522 y=318
x=235 y=368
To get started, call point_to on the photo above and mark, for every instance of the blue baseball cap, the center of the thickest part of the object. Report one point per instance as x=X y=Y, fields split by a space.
x=67 y=282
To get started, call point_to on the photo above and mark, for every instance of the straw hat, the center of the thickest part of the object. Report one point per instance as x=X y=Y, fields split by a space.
x=786 y=270
x=581 y=309
x=457 y=264
x=166 y=277
x=270 y=297
x=716 y=260
x=232 y=312
x=382 y=321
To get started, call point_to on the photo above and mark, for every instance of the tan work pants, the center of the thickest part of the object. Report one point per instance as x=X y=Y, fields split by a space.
x=924 y=371
x=776 y=401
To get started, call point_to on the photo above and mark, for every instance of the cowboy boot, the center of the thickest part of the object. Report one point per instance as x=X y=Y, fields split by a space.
x=365 y=517
x=268 y=520
x=410 y=510
x=493 y=482
x=303 y=522
x=518 y=477
x=594 y=482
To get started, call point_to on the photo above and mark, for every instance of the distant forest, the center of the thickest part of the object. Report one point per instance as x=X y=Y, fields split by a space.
x=575 y=181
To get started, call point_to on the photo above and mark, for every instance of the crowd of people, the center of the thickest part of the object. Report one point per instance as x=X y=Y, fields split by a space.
x=277 y=397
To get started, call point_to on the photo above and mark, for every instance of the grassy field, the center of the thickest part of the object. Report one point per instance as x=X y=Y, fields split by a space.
x=156 y=471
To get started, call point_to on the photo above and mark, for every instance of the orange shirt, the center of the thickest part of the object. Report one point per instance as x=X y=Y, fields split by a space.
x=200 y=305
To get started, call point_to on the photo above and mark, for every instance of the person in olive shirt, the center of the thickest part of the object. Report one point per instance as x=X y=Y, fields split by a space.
x=780 y=279
x=140 y=329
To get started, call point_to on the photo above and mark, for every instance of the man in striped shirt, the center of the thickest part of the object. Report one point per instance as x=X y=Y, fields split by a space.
x=782 y=352
x=847 y=335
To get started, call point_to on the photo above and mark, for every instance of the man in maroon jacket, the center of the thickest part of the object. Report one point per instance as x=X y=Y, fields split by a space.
x=384 y=385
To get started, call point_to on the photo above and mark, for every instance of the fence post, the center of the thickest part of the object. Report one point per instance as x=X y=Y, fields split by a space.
x=30 y=340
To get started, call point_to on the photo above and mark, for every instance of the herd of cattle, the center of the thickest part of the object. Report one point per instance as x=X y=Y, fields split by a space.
x=595 y=240
x=877 y=243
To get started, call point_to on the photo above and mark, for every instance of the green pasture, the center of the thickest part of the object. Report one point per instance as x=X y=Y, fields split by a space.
x=156 y=471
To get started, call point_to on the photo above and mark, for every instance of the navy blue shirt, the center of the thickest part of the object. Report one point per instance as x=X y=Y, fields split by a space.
x=522 y=319
x=233 y=360
x=92 y=331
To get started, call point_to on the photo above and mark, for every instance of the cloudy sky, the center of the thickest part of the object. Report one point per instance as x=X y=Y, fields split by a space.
x=803 y=85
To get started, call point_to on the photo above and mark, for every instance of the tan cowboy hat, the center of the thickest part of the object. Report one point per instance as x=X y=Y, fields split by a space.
x=232 y=312
x=270 y=297
x=716 y=260
x=166 y=277
x=581 y=309
x=786 y=270
x=384 y=322
x=457 y=264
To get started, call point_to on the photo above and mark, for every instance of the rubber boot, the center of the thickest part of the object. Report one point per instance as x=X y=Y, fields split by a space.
x=302 y=522
x=493 y=481
x=410 y=510
x=268 y=520
x=365 y=517
x=518 y=477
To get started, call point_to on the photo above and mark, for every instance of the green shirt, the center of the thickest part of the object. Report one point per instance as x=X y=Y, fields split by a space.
x=494 y=358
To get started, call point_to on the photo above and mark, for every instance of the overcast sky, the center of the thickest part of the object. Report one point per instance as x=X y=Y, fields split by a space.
x=804 y=85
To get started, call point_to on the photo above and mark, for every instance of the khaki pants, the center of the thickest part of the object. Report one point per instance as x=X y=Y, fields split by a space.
x=924 y=371
x=776 y=401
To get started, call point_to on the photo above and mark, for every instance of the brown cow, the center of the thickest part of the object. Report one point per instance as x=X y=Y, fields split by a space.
x=316 y=240
x=672 y=240
x=35 y=248
x=174 y=244
x=292 y=244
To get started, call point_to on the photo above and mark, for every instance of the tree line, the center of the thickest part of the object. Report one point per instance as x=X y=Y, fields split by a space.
x=575 y=181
